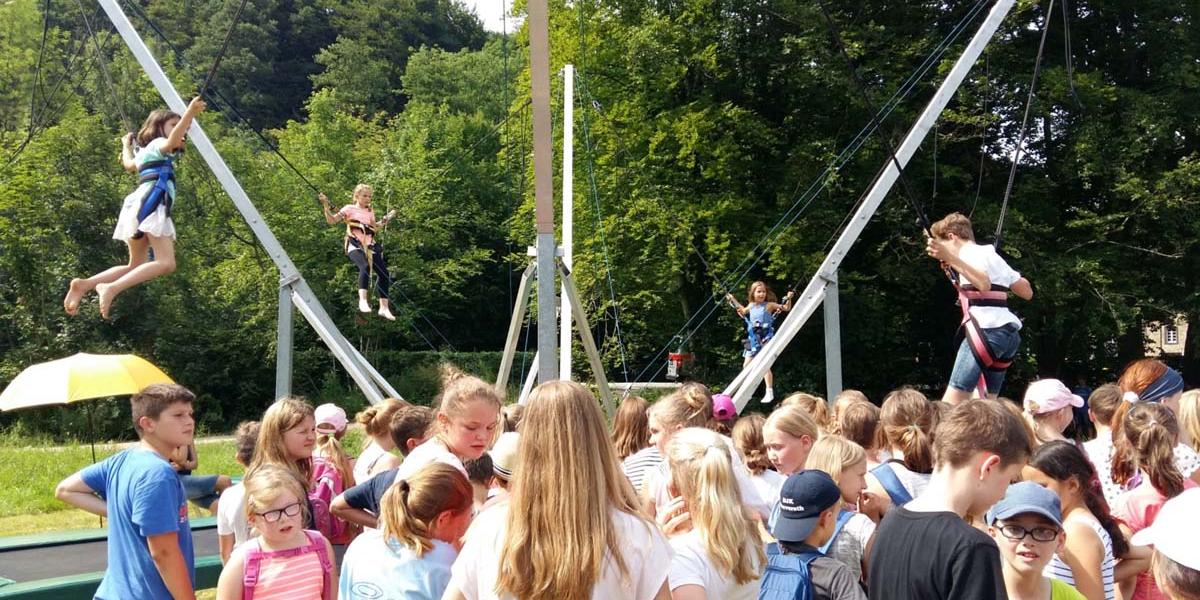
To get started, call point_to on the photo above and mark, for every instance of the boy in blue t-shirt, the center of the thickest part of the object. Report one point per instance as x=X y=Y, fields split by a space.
x=149 y=538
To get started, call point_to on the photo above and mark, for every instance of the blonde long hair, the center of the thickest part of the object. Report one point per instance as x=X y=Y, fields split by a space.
x=1189 y=417
x=330 y=448
x=283 y=414
x=834 y=455
x=702 y=473
x=560 y=527
x=410 y=506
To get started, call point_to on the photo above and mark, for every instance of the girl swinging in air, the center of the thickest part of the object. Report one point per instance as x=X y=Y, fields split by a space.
x=759 y=314
x=145 y=221
x=362 y=248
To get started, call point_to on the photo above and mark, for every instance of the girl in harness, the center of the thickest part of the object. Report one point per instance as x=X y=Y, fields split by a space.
x=991 y=332
x=759 y=314
x=145 y=220
x=361 y=246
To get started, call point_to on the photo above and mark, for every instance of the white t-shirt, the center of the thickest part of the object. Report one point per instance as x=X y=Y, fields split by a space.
x=370 y=455
x=231 y=513
x=985 y=259
x=692 y=566
x=374 y=569
x=433 y=450
x=768 y=483
x=646 y=553
x=656 y=479
x=850 y=546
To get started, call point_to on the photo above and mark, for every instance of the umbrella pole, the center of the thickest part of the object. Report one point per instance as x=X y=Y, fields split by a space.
x=92 y=441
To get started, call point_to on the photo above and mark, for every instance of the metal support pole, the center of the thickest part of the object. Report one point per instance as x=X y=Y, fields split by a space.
x=814 y=293
x=568 y=216
x=833 y=342
x=589 y=344
x=283 y=344
x=543 y=188
x=530 y=379
x=514 y=330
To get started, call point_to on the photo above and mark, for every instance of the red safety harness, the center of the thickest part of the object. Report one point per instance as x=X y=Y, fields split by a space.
x=970 y=330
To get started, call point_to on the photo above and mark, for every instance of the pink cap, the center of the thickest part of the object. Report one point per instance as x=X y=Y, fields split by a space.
x=1048 y=395
x=723 y=408
x=330 y=418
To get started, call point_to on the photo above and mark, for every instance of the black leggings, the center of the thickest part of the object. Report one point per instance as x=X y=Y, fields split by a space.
x=359 y=257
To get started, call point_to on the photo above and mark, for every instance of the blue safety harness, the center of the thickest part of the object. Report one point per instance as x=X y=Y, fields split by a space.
x=760 y=327
x=162 y=173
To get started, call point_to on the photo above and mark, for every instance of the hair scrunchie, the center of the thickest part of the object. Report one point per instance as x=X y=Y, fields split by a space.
x=1131 y=397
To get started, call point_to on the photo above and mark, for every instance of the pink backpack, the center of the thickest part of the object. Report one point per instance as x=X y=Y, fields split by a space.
x=255 y=554
x=326 y=485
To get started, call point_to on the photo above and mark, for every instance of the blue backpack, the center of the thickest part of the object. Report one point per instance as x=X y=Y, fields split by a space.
x=891 y=484
x=787 y=576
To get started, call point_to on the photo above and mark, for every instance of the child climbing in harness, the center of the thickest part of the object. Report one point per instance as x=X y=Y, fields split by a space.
x=362 y=248
x=990 y=331
x=145 y=221
x=759 y=315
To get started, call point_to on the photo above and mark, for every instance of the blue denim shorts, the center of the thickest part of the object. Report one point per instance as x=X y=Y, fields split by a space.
x=200 y=489
x=1003 y=342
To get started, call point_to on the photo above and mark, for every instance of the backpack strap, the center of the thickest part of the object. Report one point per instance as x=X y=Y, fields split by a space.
x=317 y=545
x=254 y=554
x=843 y=517
x=891 y=484
x=788 y=574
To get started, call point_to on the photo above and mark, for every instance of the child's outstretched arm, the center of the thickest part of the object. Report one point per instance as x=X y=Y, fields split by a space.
x=777 y=308
x=127 y=162
x=331 y=217
x=75 y=492
x=168 y=558
x=175 y=139
x=1023 y=289
x=732 y=300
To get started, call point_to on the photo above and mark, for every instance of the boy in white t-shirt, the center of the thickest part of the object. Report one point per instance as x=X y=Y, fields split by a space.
x=991 y=332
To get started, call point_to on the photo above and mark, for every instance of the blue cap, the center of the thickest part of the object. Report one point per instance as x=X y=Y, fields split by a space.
x=802 y=499
x=1027 y=497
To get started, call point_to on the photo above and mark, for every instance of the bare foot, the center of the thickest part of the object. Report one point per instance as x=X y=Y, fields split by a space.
x=106 y=298
x=74 y=295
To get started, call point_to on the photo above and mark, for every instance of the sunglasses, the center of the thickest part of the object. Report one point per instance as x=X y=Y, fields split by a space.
x=272 y=516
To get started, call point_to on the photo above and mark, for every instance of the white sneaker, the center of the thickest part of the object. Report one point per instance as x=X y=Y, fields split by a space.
x=387 y=314
x=364 y=306
x=769 y=397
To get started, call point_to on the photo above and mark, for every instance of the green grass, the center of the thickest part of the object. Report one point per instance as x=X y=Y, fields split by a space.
x=28 y=476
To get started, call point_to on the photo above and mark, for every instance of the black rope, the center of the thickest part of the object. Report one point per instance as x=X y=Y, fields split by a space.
x=987 y=97
x=224 y=46
x=1012 y=173
x=112 y=89
x=1068 y=60
x=426 y=319
x=883 y=133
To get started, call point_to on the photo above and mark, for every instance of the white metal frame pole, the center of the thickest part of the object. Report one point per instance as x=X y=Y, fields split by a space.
x=543 y=188
x=814 y=293
x=302 y=296
x=833 y=341
x=568 y=217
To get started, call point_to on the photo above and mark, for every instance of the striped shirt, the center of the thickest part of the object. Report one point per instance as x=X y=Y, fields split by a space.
x=637 y=464
x=297 y=577
x=1058 y=569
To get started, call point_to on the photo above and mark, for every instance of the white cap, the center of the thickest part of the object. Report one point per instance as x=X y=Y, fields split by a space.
x=1175 y=530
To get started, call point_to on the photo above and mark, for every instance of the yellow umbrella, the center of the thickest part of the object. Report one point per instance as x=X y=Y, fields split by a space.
x=80 y=377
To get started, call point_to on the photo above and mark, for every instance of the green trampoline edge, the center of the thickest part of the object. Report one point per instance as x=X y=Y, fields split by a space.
x=83 y=587
x=60 y=538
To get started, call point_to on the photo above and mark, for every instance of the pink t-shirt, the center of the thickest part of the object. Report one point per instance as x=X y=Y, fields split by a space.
x=294 y=577
x=1137 y=509
x=366 y=216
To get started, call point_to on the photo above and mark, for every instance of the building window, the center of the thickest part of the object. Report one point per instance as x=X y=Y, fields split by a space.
x=1170 y=335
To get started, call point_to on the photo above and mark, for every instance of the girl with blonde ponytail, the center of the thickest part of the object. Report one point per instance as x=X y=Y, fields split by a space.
x=907 y=423
x=717 y=549
x=423 y=518
x=1150 y=432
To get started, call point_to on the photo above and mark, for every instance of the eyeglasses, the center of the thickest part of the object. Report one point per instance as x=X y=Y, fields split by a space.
x=1039 y=534
x=272 y=516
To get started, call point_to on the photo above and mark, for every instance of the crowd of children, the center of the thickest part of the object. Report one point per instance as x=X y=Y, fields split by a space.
x=918 y=499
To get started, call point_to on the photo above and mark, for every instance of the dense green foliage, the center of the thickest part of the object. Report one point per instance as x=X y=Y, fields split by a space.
x=700 y=124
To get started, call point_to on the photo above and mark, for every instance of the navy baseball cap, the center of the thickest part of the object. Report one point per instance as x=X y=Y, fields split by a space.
x=1024 y=498
x=804 y=496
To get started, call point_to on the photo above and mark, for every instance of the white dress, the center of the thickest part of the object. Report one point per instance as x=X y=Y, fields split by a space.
x=158 y=223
